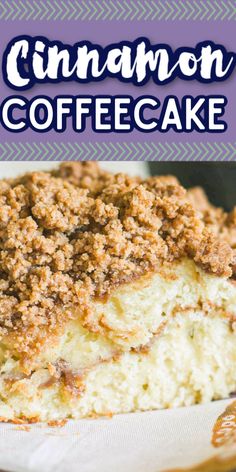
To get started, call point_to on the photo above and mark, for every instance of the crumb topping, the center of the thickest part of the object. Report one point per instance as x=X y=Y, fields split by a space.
x=74 y=233
x=222 y=224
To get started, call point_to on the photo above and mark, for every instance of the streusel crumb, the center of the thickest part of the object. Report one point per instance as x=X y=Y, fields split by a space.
x=73 y=234
x=216 y=219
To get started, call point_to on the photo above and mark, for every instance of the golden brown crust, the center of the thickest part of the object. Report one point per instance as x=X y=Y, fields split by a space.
x=74 y=233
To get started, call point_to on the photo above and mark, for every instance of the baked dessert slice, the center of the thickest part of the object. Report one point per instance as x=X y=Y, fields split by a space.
x=117 y=295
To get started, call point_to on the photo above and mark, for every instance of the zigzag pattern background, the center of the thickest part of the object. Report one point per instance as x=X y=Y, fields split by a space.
x=119 y=151
x=126 y=10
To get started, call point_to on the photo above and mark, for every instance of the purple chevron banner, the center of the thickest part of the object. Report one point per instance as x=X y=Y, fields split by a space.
x=117 y=80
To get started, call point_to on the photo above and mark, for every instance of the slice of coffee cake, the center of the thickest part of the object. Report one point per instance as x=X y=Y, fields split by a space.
x=116 y=295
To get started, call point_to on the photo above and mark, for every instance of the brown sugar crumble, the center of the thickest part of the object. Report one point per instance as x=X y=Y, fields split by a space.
x=57 y=423
x=69 y=235
x=220 y=223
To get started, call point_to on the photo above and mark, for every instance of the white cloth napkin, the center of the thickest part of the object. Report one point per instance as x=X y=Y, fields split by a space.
x=138 y=442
